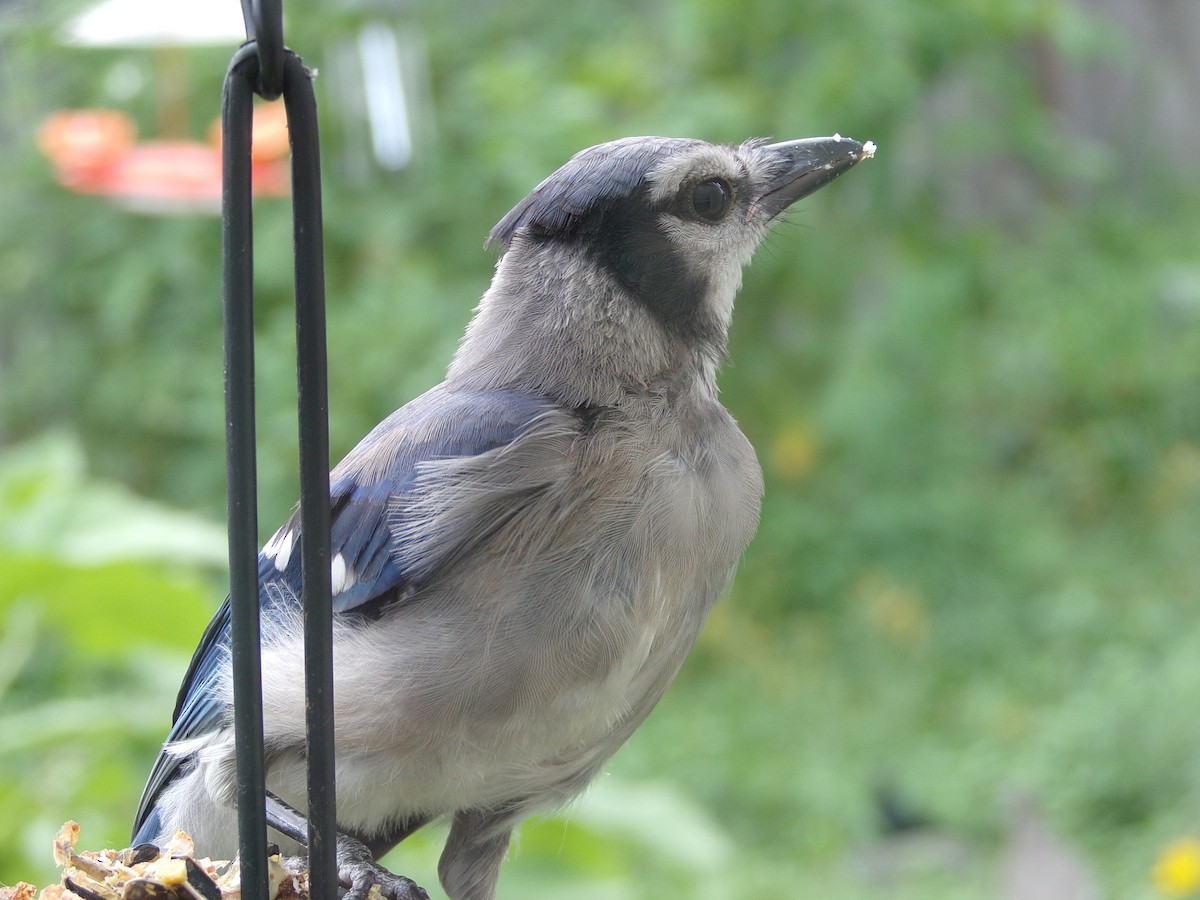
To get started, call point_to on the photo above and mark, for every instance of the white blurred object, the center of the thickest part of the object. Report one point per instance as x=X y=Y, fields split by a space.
x=1039 y=864
x=155 y=23
x=387 y=105
x=384 y=110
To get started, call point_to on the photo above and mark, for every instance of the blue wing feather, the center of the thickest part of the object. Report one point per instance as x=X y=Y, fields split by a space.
x=373 y=477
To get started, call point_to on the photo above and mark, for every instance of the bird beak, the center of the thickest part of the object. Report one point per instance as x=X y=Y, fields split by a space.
x=809 y=164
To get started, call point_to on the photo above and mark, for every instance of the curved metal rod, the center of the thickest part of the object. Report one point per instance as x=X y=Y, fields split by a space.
x=264 y=26
x=238 y=246
x=313 y=401
x=237 y=238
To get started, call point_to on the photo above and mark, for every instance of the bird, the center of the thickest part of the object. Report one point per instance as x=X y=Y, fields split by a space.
x=523 y=556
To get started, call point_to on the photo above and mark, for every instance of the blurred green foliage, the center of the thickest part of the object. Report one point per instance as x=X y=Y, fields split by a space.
x=971 y=370
x=93 y=578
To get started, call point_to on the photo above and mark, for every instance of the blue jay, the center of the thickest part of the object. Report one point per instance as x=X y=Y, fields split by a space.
x=524 y=555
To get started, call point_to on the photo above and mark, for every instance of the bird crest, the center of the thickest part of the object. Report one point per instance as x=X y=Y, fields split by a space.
x=589 y=180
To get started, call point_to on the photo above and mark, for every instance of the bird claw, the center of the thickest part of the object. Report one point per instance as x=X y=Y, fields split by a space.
x=358 y=871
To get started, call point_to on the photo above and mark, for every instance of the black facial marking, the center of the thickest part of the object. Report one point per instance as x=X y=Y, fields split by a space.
x=628 y=240
x=588 y=181
x=599 y=202
x=631 y=245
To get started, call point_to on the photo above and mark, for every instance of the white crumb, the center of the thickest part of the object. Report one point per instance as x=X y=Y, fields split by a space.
x=868 y=150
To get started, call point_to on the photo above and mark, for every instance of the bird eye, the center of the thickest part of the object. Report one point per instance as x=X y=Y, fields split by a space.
x=711 y=199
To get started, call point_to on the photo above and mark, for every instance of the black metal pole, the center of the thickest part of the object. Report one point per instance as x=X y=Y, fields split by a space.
x=311 y=364
x=266 y=67
x=237 y=245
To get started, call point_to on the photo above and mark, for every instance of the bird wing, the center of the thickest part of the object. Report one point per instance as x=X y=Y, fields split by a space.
x=374 y=565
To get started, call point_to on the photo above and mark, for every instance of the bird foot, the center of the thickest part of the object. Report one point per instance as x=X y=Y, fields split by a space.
x=358 y=871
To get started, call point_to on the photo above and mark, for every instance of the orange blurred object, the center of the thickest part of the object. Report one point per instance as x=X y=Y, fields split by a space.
x=270 y=133
x=94 y=151
x=86 y=138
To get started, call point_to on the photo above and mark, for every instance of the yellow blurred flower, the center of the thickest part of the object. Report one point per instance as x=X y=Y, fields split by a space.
x=795 y=452
x=1177 y=871
x=1178 y=475
x=893 y=609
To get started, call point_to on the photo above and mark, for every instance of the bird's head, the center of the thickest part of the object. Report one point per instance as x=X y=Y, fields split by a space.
x=627 y=258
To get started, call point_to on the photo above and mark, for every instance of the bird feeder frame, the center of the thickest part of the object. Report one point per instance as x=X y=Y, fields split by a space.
x=264 y=66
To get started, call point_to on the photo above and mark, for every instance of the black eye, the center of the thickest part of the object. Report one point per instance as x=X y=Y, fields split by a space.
x=711 y=199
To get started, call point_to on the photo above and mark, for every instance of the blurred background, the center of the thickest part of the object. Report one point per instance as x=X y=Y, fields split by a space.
x=961 y=657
